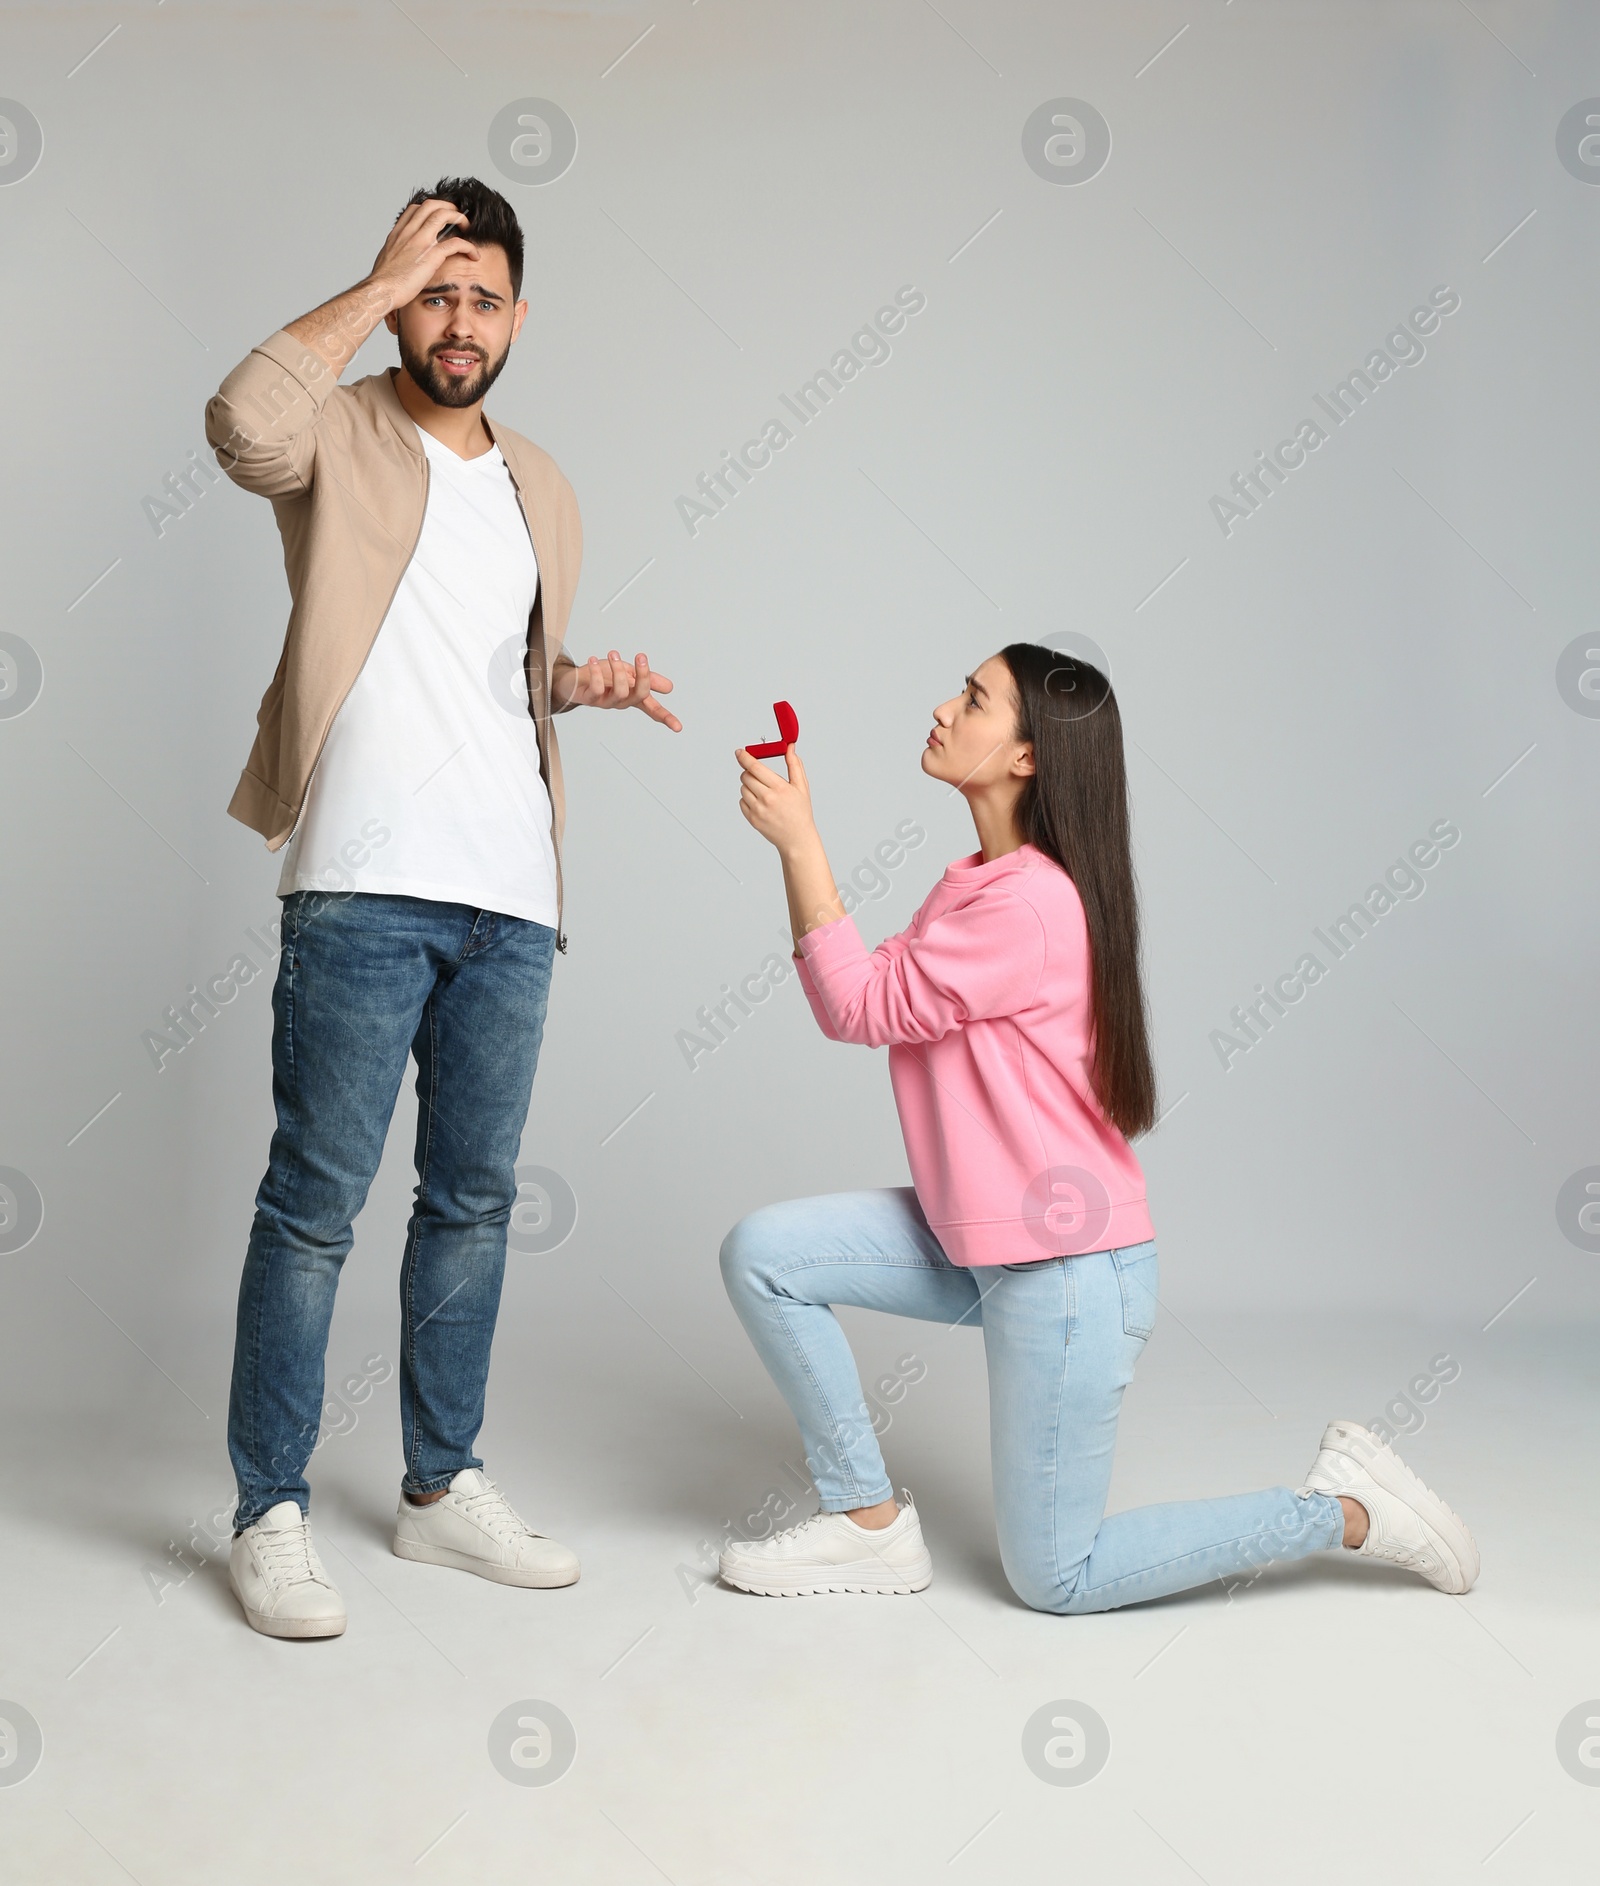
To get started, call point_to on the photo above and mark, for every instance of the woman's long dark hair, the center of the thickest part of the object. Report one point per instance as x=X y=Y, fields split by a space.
x=1075 y=810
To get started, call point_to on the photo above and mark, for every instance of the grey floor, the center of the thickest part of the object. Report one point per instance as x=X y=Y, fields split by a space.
x=1332 y=1721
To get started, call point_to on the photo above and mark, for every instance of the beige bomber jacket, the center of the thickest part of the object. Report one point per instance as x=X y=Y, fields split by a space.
x=348 y=480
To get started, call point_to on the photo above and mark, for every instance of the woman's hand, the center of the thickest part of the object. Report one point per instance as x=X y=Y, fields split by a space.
x=779 y=809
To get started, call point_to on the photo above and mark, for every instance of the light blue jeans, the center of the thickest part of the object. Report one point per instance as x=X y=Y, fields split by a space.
x=1061 y=1336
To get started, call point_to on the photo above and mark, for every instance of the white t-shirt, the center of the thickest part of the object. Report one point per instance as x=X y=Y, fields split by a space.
x=428 y=784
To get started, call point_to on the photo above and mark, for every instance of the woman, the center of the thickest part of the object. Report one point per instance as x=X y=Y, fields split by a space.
x=1014 y=1017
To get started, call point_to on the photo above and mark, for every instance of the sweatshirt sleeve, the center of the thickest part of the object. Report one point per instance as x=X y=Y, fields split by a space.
x=976 y=962
x=819 y=1008
x=262 y=421
x=887 y=950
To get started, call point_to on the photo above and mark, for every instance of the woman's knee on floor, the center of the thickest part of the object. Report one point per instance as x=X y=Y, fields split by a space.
x=1039 y=1582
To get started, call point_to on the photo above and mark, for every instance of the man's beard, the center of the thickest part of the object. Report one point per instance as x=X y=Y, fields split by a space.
x=447 y=389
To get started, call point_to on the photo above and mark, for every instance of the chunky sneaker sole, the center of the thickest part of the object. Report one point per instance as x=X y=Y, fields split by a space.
x=1354 y=1460
x=422 y=1552
x=861 y=1577
x=830 y=1553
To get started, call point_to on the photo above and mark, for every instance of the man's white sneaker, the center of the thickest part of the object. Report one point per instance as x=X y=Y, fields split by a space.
x=1408 y=1525
x=475 y=1529
x=830 y=1552
x=278 y=1578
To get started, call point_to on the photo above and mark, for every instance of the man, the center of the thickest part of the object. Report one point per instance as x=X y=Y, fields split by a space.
x=431 y=560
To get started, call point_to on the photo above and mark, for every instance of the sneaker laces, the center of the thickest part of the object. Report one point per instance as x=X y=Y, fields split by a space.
x=868 y=1534
x=287 y=1554
x=1418 y=1554
x=490 y=1508
x=1409 y=1558
x=794 y=1532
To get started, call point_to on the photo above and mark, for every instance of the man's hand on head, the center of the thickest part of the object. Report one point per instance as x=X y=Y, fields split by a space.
x=414 y=250
x=417 y=248
x=609 y=681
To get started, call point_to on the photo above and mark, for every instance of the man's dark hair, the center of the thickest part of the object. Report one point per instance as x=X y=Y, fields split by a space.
x=489 y=218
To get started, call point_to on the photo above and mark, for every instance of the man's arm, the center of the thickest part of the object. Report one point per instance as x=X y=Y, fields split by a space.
x=406 y=262
x=262 y=420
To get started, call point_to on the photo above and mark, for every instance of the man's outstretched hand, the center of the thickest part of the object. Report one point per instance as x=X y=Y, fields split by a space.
x=609 y=681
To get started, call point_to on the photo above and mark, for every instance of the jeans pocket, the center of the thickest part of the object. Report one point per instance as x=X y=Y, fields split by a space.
x=1139 y=1278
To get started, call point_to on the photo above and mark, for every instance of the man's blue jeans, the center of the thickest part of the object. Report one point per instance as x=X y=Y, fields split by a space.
x=363 y=981
x=1061 y=1336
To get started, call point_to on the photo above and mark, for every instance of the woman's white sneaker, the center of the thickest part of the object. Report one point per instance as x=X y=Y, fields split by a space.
x=278 y=1578
x=830 y=1552
x=1408 y=1524
x=475 y=1529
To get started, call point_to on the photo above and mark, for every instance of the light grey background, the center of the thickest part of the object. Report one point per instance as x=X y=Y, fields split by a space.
x=1304 y=698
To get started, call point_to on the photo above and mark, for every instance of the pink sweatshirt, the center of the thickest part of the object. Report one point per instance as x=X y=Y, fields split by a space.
x=984 y=1005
